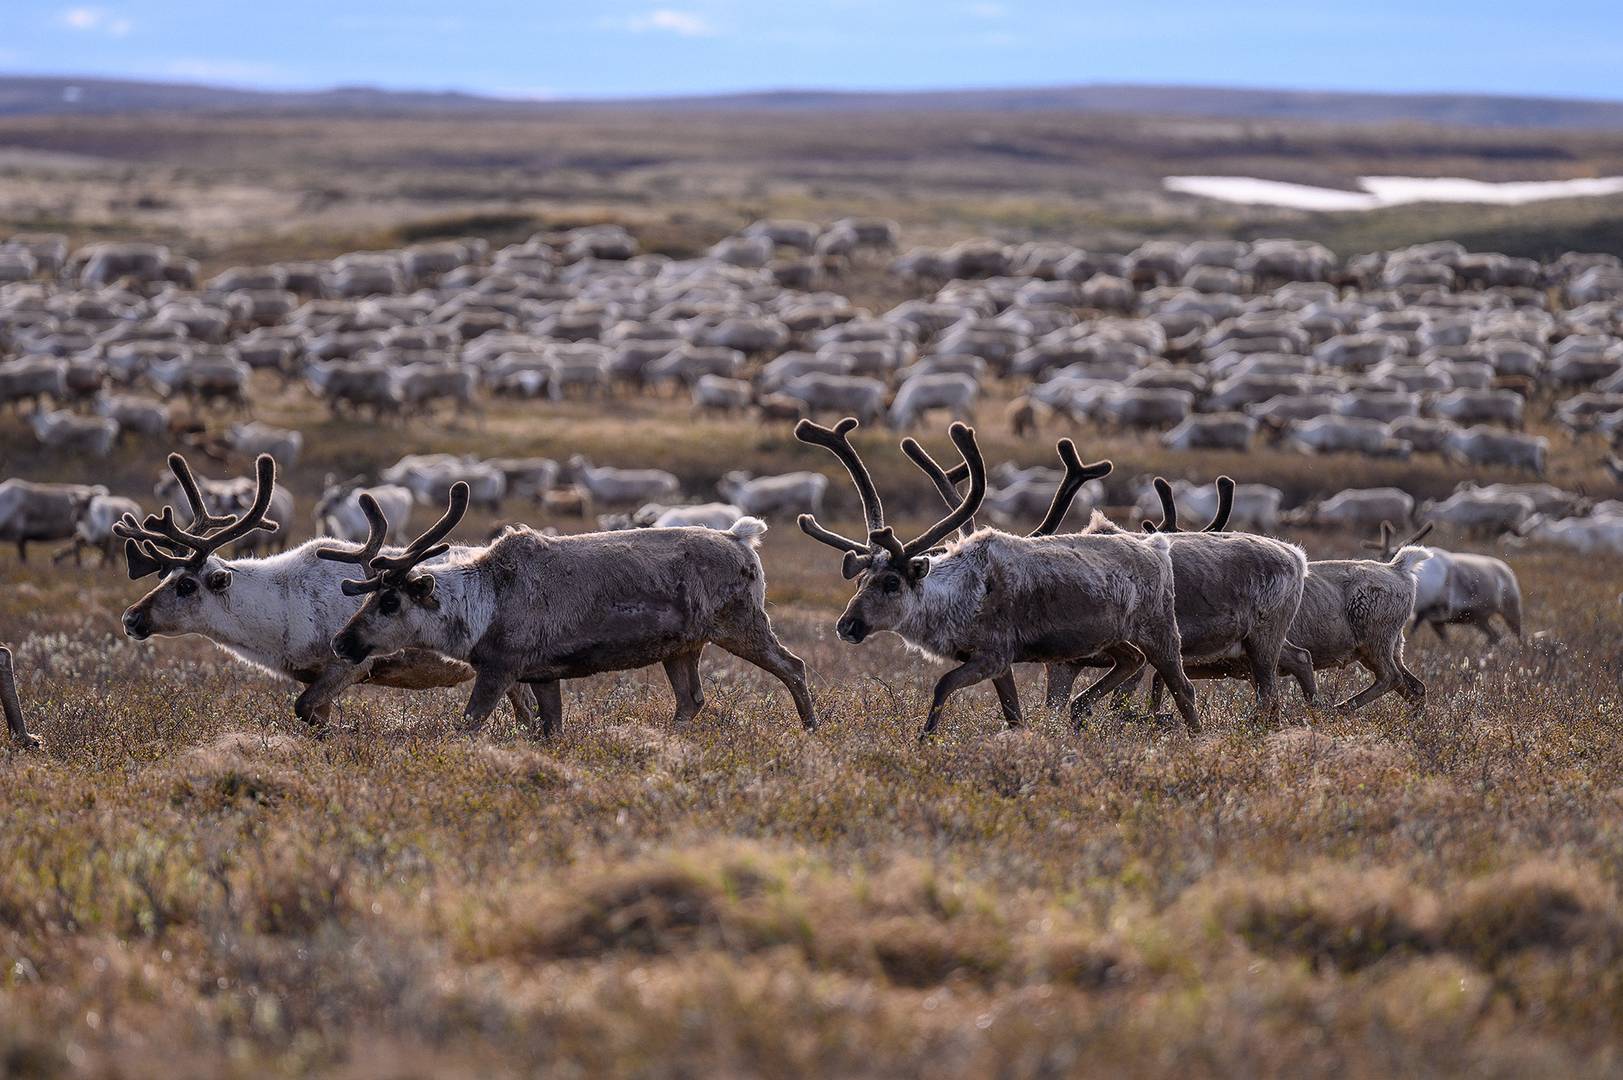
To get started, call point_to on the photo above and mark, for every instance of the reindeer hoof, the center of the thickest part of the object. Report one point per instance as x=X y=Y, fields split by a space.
x=29 y=741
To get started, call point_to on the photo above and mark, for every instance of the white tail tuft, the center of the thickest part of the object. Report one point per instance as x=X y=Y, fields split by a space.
x=1161 y=542
x=748 y=530
x=1408 y=559
x=1099 y=524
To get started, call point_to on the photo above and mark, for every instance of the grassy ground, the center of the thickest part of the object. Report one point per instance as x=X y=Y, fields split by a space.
x=191 y=885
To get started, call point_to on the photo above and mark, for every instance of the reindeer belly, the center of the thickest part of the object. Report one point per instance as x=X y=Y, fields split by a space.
x=621 y=637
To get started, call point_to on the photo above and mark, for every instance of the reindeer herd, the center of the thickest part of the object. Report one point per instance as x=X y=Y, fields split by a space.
x=518 y=615
x=1474 y=358
x=1426 y=351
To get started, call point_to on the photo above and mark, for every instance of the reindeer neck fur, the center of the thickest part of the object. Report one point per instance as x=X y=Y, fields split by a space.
x=941 y=623
x=467 y=589
x=274 y=613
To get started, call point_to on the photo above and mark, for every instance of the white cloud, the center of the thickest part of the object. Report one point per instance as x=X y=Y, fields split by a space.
x=96 y=20
x=666 y=20
x=231 y=71
x=986 y=10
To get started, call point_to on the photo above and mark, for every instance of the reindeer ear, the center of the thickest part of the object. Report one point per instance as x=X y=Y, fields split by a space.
x=421 y=588
x=140 y=563
x=918 y=569
x=853 y=565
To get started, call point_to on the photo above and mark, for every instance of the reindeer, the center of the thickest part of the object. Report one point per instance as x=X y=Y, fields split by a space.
x=1350 y=609
x=538 y=609
x=94 y=529
x=339 y=514
x=1245 y=593
x=278 y=613
x=993 y=599
x=1457 y=587
x=33 y=512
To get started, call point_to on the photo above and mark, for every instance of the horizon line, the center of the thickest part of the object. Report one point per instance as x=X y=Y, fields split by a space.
x=787 y=91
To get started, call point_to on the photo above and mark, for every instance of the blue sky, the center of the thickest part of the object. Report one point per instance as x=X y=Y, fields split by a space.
x=598 y=48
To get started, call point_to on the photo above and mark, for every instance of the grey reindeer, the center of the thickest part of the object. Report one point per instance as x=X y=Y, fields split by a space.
x=1234 y=590
x=993 y=599
x=1351 y=610
x=537 y=609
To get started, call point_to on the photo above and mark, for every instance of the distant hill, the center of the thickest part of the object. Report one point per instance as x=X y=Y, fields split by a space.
x=20 y=96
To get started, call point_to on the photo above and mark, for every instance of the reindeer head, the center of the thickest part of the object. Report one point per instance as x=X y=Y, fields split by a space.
x=402 y=608
x=194 y=586
x=891 y=573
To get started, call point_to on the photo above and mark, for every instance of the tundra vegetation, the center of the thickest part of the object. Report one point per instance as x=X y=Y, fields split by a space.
x=193 y=881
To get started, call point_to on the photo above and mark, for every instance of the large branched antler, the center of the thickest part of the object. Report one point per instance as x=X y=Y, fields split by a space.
x=945 y=483
x=881 y=539
x=394 y=571
x=963 y=437
x=858 y=553
x=1076 y=476
x=1169 y=508
x=377 y=528
x=159 y=544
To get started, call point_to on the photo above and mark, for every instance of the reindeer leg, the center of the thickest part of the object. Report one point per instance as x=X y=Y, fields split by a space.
x=520 y=697
x=683 y=671
x=1297 y=662
x=490 y=685
x=1061 y=678
x=1385 y=679
x=1409 y=684
x=1127 y=660
x=977 y=669
x=12 y=707
x=1008 y=695
x=549 y=702
x=1169 y=667
x=314 y=705
x=756 y=643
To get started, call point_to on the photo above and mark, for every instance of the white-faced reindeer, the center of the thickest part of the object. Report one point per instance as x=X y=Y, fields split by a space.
x=278 y=613
x=992 y=599
x=537 y=609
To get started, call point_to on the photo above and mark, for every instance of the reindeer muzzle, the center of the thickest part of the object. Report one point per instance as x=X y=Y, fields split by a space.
x=852 y=629
x=138 y=623
x=349 y=646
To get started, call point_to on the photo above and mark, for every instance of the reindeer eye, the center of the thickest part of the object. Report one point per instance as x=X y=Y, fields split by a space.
x=389 y=604
x=891 y=583
x=185 y=586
